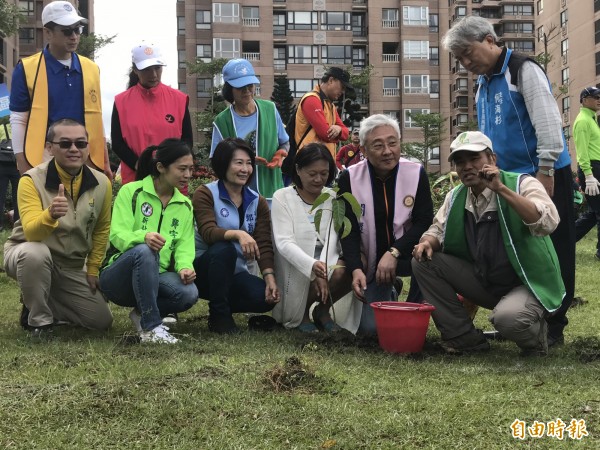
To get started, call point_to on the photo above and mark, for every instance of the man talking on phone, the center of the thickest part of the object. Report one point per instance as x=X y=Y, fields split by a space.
x=489 y=243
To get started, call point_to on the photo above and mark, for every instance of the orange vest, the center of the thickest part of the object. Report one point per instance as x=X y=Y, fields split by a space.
x=302 y=124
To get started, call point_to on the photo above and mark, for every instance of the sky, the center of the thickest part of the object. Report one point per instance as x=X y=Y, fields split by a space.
x=132 y=21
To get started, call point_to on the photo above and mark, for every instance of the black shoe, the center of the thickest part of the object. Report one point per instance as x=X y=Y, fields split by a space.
x=578 y=301
x=24 y=319
x=223 y=326
x=398 y=284
x=472 y=341
x=42 y=333
x=494 y=335
x=556 y=340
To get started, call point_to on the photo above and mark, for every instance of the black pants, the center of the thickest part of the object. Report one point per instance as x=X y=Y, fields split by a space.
x=563 y=239
x=590 y=218
x=8 y=174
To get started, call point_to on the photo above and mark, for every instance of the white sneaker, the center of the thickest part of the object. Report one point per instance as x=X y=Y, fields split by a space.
x=170 y=319
x=159 y=335
x=136 y=319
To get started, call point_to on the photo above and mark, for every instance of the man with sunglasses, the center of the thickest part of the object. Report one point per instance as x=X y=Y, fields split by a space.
x=53 y=84
x=64 y=228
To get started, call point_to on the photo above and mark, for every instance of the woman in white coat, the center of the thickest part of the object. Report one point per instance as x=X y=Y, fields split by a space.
x=300 y=251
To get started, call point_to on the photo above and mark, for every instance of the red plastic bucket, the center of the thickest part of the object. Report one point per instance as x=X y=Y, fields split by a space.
x=402 y=326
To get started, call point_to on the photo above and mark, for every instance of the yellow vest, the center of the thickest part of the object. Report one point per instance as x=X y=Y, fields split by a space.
x=302 y=124
x=37 y=82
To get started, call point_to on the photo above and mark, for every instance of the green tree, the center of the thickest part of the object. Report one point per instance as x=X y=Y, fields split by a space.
x=282 y=97
x=10 y=16
x=91 y=44
x=433 y=128
x=469 y=125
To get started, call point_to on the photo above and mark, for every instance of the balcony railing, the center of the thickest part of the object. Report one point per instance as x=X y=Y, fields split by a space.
x=391 y=57
x=251 y=56
x=279 y=65
x=251 y=22
x=389 y=23
x=391 y=92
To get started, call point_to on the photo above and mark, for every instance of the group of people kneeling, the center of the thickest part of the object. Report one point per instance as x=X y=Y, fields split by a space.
x=487 y=243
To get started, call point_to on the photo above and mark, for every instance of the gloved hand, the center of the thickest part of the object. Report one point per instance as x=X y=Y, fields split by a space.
x=591 y=185
x=260 y=160
x=277 y=159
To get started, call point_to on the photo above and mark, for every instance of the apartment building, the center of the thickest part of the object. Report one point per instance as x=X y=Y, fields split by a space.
x=568 y=31
x=401 y=41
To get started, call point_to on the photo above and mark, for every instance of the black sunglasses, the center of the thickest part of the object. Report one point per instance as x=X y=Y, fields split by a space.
x=69 y=31
x=65 y=145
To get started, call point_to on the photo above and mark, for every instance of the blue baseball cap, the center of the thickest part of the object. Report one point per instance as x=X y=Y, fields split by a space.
x=589 y=92
x=239 y=73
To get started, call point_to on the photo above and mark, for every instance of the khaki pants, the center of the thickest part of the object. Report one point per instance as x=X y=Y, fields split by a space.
x=53 y=293
x=517 y=316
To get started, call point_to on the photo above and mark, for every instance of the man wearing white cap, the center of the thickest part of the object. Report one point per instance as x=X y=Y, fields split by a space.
x=489 y=243
x=55 y=84
x=148 y=112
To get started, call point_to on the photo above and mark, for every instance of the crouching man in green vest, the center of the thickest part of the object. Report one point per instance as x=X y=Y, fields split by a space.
x=489 y=243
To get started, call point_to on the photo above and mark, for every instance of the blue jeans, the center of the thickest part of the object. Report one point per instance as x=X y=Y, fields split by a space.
x=227 y=292
x=134 y=280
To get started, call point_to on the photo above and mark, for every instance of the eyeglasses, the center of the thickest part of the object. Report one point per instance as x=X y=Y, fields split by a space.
x=69 y=31
x=378 y=147
x=65 y=145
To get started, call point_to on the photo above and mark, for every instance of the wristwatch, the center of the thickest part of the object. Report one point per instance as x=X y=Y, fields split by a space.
x=548 y=173
x=395 y=252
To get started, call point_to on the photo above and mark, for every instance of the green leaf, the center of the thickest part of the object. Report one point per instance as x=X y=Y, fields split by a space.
x=322 y=198
x=347 y=227
x=338 y=214
x=356 y=209
x=318 y=216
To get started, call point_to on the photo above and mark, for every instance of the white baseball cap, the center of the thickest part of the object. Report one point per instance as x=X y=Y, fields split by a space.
x=145 y=55
x=470 y=141
x=61 y=13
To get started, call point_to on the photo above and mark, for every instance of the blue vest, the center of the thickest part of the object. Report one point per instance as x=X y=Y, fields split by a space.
x=503 y=117
x=227 y=217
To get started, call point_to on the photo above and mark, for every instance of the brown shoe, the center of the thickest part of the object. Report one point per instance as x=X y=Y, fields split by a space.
x=472 y=341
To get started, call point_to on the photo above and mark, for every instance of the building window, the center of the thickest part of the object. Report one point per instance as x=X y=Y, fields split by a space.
x=564 y=76
x=358 y=25
x=597 y=31
x=251 y=50
x=391 y=86
x=408 y=113
x=279 y=62
x=566 y=104
x=393 y=114
x=434 y=56
x=181 y=58
x=596 y=5
x=415 y=15
x=564 y=18
x=389 y=18
x=181 y=26
x=204 y=52
x=302 y=20
x=564 y=46
x=336 y=21
x=301 y=87
x=250 y=16
x=540 y=6
x=520 y=46
x=359 y=57
x=416 y=49
x=226 y=12
x=434 y=87
x=26 y=36
x=462 y=101
x=303 y=54
x=336 y=54
x=460 y=11
x=462 y=84
x=567 y=132
x=434 y=23
x=597 y=63
x=540 y=34
x=518 y=10
x=26 y=7
x=226 y=48
x=202 y=20
x=203 y=87
x=518 y=27
x=279 y=24
x=416 y=84
x=182 y=87
x=434 y=155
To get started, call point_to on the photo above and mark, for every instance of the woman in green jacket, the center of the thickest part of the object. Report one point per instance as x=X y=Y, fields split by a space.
x=152 y=241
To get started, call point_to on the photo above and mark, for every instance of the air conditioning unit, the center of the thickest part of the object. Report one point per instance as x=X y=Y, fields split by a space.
x=565 y=117
x=564 y=59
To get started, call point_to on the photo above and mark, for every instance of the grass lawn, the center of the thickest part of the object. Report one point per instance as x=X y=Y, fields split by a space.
x=282 y=390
